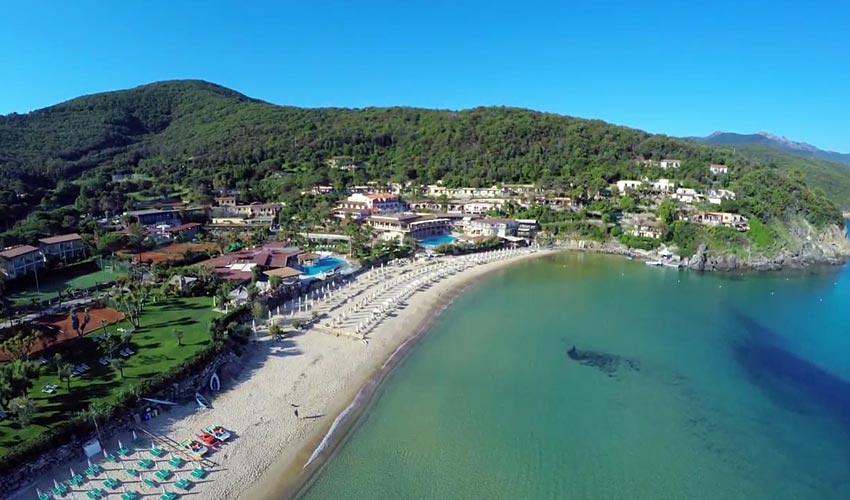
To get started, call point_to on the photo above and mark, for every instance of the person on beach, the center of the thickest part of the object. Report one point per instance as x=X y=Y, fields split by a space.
x=296 y=414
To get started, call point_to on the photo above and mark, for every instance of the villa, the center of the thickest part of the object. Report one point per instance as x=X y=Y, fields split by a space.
x=687 y=195
x=644 y=227
x=257 y=209
x=726 y=219
x=20 y=260
x=492 y=227
x=63 y=248
x=155 y=216
x=435 y=190
x=665 y=164
x=716 y=196
x=718 y=169
x=622 y=186
x=663 y=185
x=239 y=266
x=373 y=203
x=527 y=228
x=400 y=226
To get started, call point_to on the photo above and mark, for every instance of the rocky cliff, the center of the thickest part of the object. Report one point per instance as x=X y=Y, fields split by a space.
x=807 y=246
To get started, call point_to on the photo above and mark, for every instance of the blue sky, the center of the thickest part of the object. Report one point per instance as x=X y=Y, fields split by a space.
x=682 y=68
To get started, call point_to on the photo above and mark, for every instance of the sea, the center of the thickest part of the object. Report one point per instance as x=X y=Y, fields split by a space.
x=681 y=386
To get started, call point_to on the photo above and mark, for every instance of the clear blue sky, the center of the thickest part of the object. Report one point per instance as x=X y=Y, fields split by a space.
x=685 y=68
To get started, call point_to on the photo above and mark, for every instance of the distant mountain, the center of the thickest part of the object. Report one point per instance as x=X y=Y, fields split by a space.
x=774 y=141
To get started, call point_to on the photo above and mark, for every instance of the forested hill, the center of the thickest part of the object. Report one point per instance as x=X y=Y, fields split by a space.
x=202 y=137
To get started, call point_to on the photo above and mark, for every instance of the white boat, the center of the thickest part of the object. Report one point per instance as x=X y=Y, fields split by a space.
x=654 y=263
x=202 y=401
x=215 y=383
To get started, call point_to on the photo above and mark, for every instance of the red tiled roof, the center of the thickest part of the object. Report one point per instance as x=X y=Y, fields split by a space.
x=60 y=239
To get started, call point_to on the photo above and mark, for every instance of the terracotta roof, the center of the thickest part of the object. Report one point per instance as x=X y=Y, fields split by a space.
x=284 y=272
x=60 y=239
x=17 y=251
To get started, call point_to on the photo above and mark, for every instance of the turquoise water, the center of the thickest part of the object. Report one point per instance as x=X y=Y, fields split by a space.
x=725 y=387
x=433 y=241
x=323 y=265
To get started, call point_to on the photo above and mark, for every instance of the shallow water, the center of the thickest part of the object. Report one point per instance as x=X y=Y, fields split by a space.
x=713 y=387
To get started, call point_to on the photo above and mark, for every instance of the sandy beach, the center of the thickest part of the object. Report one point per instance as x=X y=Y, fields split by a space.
x=314 y=371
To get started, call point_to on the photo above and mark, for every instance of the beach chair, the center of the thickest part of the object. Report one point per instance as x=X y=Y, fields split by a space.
x=132 y=472
x=183 y=484
x=145 y=463
x=77 y=480
x=129 y=495
x=162 y=474
x=60 y=490
x=198 y=473
x=175 y=462
x=168 y=495
x=93 y=471
x=123 y=451
x=111 y=458
x=157 y=452
x=43 y=496
x=111 y=483
x=150 y=482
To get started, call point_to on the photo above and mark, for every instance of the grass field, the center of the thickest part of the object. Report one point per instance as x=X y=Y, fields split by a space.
x=50 y=286
x=156 y=352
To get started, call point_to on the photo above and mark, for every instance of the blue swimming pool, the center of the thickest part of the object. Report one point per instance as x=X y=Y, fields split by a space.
x=433 y=241
x=324 y=264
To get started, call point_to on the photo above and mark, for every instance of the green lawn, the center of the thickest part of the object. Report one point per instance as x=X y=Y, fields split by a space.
x=50 y=286
x=156 y=352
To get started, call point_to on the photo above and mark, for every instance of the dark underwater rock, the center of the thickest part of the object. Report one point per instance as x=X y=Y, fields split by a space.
x=607 y=363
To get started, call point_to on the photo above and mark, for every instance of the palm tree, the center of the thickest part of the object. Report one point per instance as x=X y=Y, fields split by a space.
x=178 y=334
x=118 y=364
x=65 y=370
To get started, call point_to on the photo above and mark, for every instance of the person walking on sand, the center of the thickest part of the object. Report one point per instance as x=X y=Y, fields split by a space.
x=296 y=414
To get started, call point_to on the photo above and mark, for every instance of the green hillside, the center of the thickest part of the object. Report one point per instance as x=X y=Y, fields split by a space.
x=193 y=137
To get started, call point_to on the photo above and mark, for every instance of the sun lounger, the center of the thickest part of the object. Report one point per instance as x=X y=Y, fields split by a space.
x=77 y=480
x=150 y=482
x=111 y=458
x=123 y=451
x=157 y=452
x=145 y=463
x=175 y=462
x=129 y=495
x=60 y=490
x=133 y=472
x=198 y=473
x=111 y=483
x=43 y=496
x=92 y=471
x=168 y=495
x=162 y=474
x=183 y=484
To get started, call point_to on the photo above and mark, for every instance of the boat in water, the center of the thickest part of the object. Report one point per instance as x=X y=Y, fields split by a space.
x=654 y=263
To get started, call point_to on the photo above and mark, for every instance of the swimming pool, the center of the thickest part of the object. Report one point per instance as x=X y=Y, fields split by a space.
x=323 y=265
x=433 y=241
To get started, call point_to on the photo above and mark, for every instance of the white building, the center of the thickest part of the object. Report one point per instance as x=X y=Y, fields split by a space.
x=492 y=227
x=665 y=164
x=718 y=169
x=716 y=196
x=375 y=202
x=622 y=186
x=687 y=195
x=663 y=186
x=400 y=226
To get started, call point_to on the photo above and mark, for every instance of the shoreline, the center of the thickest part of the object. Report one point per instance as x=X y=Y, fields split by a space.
x=329 y=376
x=294 y=471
